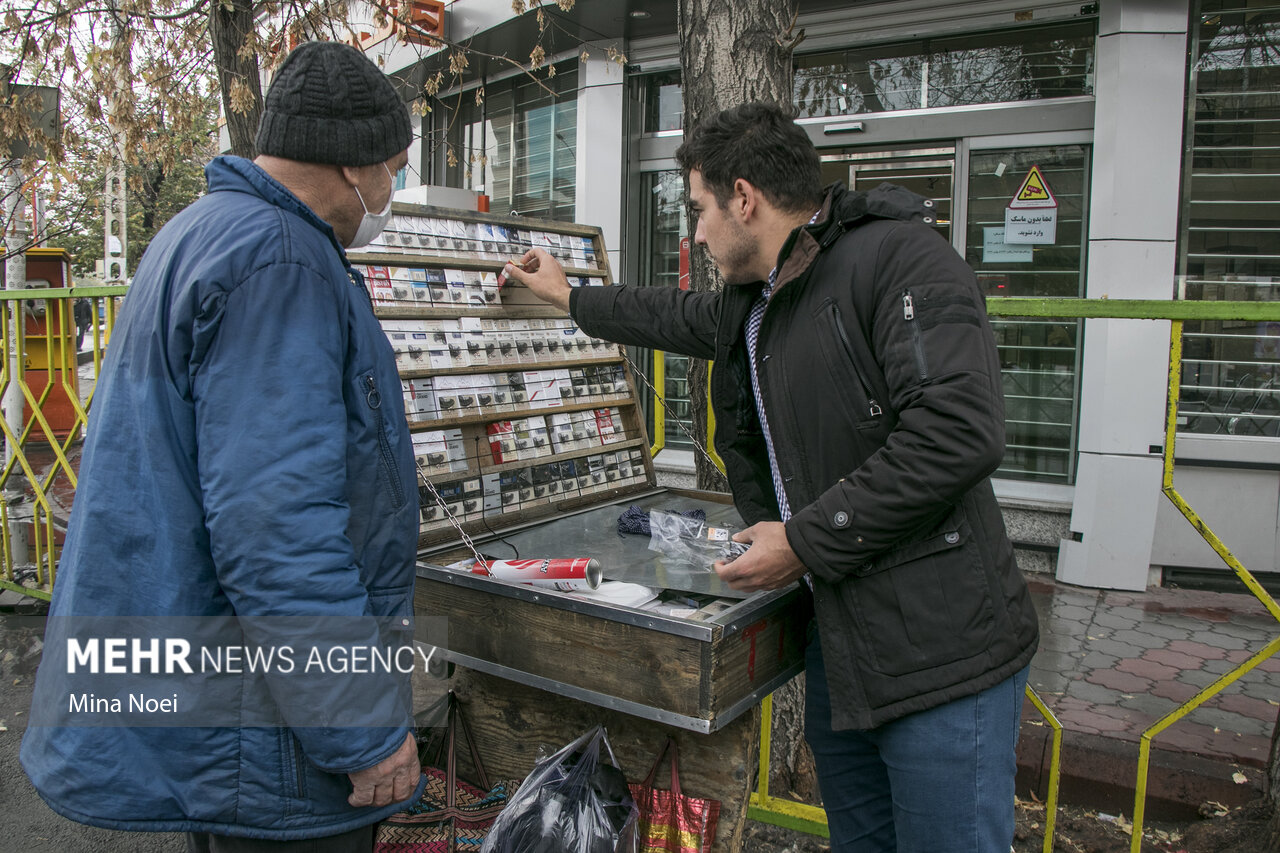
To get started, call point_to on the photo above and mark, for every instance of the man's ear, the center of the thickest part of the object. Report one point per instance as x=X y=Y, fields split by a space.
x=745 y=199
x=351 y=174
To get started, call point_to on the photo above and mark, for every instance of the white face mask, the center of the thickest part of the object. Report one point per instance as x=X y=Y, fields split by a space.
x=372 y=224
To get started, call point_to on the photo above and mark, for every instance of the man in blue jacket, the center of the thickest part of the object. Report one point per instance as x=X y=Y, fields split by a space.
x=239 y=566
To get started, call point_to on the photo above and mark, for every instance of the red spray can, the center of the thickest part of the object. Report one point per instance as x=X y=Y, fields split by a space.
x=563 y=574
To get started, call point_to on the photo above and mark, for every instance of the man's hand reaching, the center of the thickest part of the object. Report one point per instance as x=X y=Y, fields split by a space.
x=543 y=275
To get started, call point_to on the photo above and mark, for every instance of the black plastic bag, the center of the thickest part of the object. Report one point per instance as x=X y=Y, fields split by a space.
x=572 y=802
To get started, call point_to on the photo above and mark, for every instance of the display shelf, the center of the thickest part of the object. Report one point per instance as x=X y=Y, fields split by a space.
x=425 y=261
x=620 y=400
x=478 y=364
x=424 y=373
x=443 y=312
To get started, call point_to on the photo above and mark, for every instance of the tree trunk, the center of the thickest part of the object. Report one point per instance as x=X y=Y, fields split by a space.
x=733 y=52
x=1271 y=789
x=230 y=23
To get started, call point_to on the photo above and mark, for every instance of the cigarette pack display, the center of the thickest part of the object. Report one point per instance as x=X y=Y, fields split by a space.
x=502 y=442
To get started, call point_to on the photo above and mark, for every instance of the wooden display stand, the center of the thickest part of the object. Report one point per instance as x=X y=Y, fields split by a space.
x=530 y=436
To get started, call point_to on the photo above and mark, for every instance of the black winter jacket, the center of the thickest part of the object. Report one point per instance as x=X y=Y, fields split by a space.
x=882 y=386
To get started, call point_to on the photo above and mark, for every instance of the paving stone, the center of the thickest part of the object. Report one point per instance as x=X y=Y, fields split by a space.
x=1247 y=706
x=1197 y=677
x=1073 y=612
x=1177 y=660
x=1168 y=631
x=1271 y=664
x=1116 y=649
x=1148 y=669
x=1187 y=736
x=1111 y=619
x=1219 y=667
x=1059 y=643
x=1093 y=722
x=1265 y=691
x=1226 y=642
x=1148 y=707
x=1229 y=722
x=1241 y=655
x=1141 y=639
x=1252 y=633
x=1097 y=660
x=1050 y=684
x=1092 y=693
x=1117 y=680
x=1204 y=651
x=1175 y=691
x=1069 y=702
x=1055 y=661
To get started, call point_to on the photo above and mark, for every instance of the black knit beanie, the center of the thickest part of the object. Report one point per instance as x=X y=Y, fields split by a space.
x=329 y=104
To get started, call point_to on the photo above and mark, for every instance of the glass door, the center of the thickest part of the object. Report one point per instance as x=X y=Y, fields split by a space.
x=927 y=172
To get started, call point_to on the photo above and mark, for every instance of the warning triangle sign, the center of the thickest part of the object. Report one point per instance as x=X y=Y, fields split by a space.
x=1034 y=192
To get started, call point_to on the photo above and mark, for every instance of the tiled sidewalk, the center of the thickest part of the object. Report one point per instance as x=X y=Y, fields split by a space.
x=1112 y=663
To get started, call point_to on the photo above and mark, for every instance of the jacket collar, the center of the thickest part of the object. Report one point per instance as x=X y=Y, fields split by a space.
x=841 y=211
x=236 y=174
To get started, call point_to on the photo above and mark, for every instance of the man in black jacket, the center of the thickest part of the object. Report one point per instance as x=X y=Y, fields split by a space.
x=859 y=415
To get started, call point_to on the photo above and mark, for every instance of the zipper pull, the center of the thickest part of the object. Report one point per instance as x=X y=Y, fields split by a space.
x=372 y=396
x=908 y=307
x=876 y=411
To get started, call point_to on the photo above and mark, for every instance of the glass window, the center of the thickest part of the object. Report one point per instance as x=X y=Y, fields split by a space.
x=1025 y=64
x=519 y=145
x=1040 y=358
x=663 y=263
x=663 y=103
x=1230 y=241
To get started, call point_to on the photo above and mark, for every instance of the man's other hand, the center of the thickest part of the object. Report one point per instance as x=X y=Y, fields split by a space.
x=768 y=564
x=391 y=781
x=543 y=275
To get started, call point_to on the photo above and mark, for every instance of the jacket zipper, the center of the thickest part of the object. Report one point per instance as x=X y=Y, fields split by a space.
x=297 y=767
x=873 y=408
x=374 y=399
x=917 y=344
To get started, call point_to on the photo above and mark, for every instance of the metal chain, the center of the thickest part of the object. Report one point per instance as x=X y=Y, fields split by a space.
x=448 y=514
x=657 y=395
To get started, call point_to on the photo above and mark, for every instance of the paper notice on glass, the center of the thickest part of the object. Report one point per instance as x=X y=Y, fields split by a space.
x=1031 y=225
x=996 y=251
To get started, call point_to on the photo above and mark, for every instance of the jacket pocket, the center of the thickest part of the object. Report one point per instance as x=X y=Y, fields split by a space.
x=838 y=351
x=293 y=771
x=922 y=605
x=386 y=457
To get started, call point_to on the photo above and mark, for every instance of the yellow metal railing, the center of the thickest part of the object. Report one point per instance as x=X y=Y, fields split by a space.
x=38 y=452
x=1177 y=313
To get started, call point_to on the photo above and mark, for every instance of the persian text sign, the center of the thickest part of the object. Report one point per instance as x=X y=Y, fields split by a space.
x=1031 y=226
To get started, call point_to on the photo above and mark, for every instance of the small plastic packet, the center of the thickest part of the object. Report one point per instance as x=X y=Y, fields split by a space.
x=690 y=543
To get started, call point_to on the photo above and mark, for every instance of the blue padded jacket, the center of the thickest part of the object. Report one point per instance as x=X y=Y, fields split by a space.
x=247 y=466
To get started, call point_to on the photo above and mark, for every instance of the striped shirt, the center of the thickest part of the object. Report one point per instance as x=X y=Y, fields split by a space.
x=753 y=337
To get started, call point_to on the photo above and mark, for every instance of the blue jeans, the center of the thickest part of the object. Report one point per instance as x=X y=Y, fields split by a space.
x=936 y=781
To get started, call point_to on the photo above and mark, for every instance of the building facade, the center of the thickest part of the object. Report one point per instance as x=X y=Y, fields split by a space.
x=1147 y=123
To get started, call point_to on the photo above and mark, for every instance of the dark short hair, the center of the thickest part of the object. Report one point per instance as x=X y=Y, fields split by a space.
x=761 y=144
